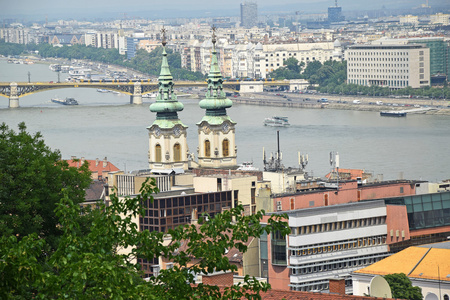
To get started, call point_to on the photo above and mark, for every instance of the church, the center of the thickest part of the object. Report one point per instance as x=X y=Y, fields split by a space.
x=168 y=149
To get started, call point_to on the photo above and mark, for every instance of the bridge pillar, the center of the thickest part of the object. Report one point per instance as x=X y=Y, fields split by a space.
x=298 y=84
x=136 y=98
x=251 y=87
x=13 y=96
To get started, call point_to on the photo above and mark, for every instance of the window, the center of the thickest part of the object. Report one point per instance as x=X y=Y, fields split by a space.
x=158 y=153
x=177 y=152
x=207 y=148
x=225 y=147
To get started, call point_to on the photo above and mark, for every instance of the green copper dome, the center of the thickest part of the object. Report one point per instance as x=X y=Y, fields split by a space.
x=166 y=105
x=215 y=102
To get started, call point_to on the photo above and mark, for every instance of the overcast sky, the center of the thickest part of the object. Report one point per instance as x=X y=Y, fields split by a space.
x=63 y=9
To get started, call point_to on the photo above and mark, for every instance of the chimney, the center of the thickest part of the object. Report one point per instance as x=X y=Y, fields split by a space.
x=82 y=160
x=105 y=162
x=337 y=286
x=194 y=216
x=73 y=157
x=96 y=161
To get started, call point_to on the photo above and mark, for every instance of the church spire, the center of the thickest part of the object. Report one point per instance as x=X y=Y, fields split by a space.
x=168 y=147
x=215 y=102
x=166 y=105
x=217 y=147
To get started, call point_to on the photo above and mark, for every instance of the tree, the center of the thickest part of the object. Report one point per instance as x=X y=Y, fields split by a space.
x=402 y=288
x=291 y=70
x=88 y=265
x=32 y=178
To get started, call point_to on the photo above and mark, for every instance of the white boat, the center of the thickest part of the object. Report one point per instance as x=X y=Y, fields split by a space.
x=277 y=121
x=55 y=67
x=80 y=73
x=103 y=91
x=149 y=95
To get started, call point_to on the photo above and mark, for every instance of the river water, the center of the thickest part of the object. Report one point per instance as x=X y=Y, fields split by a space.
x=106 y=125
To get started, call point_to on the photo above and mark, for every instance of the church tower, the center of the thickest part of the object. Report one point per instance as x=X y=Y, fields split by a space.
x=216 y=131
x=167 y=135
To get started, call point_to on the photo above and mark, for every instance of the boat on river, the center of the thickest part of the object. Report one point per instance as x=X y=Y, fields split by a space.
x=277 y=121
x=55 y=67
x=67 y=101
x=393 y=113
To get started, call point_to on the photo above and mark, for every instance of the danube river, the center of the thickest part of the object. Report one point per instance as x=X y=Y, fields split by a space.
x=106 y=125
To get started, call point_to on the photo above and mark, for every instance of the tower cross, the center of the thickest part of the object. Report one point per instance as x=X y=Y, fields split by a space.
x=163 y=32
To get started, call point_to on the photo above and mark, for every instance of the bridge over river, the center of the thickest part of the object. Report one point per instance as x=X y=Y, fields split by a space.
x=16 y=90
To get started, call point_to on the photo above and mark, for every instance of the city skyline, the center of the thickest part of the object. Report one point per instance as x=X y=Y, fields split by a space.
x=51 y=9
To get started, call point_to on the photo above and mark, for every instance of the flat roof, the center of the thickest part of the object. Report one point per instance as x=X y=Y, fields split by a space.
x=387 y=47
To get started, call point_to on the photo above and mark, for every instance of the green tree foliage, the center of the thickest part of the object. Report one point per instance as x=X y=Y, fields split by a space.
x=32 y=177
x=88 y=264
x=11 y=49
x=402 y=288
x=144 y=62
x=291 y=70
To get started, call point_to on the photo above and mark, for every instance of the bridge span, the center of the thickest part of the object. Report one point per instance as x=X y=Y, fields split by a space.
x=16 y=90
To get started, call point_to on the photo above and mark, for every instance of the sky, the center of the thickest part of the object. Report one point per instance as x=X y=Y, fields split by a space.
x=65 y=9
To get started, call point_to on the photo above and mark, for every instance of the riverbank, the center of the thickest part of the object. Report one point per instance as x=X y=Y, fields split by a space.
x=437 y=107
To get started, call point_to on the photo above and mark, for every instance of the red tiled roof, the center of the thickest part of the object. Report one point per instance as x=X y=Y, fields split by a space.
x=95 y=166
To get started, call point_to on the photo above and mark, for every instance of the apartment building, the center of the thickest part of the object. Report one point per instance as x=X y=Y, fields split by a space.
x=255 y=60
x=393 y=66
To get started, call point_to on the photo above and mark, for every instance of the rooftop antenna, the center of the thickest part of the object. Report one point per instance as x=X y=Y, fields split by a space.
x=334 y=162
x=274 y=164
x=302 y=161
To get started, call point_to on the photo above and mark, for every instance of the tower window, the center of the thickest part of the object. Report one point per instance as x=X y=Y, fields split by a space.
x=177 y=152
x=225 y=147
x=158 y=153
x=207 y=148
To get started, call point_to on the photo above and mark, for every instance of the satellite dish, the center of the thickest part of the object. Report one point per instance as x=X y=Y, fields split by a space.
x=379 y=287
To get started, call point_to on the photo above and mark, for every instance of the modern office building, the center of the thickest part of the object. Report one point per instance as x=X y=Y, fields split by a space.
x=333 y=241
x=249 y=14
x=132 y=45
x=335 y=13
x=392 y=66
x=329 y=242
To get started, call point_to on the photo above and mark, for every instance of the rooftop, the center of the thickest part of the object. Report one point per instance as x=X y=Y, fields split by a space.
x=423 y=262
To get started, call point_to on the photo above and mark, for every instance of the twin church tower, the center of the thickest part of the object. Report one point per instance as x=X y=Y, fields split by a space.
x=216 y=131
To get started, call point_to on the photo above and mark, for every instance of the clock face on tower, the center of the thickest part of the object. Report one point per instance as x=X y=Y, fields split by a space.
x=225 y=127
x=177 y=131
x=157 y=131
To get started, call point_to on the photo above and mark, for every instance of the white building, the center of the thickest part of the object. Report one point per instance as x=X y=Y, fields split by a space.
x=440 y=18
x=330 y=242
x=409 y=19
x=255 y=60
x=393 y=66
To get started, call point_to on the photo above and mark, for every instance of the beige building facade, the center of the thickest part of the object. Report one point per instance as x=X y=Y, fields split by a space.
x=393 y=66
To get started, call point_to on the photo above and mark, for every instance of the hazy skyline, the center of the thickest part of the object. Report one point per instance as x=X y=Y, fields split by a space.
x=57 y=9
